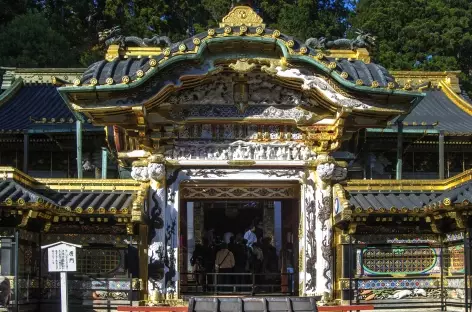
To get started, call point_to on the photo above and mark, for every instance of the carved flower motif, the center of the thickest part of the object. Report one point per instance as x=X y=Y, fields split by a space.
x=152 y=62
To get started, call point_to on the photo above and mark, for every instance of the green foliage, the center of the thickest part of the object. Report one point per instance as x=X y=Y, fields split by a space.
x=421 y=34
x=304 y=19
x=30 y=41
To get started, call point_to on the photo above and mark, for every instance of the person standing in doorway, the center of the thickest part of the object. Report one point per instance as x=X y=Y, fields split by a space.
x=224 y=263
x=250 y=236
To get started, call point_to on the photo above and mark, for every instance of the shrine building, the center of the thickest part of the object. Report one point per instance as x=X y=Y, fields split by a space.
x=359 y=179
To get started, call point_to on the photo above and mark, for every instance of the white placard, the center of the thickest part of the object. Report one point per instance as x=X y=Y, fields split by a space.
x=62 y=258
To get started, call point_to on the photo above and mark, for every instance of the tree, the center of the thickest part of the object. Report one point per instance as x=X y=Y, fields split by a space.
x=30 y=41
x=305 y=18
x=422 y=35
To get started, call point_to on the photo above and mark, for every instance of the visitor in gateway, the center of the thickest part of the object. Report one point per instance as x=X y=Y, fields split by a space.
x=250 y=236
x=224 y=263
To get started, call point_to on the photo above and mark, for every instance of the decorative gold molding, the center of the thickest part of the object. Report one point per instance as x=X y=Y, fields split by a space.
x=409 y=185
x=455 y=98
x=242 y=15
x=414 y=78
x=46 y=75
x=90 y=184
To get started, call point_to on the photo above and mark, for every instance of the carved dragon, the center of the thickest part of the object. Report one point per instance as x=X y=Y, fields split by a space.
x=114 y=36
x=363 y=40
x=327 y=253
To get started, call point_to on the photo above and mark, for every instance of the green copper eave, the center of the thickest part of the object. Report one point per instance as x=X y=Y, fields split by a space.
x=203 y=47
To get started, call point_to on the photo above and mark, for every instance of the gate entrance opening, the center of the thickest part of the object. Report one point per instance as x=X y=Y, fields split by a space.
x=267 y=267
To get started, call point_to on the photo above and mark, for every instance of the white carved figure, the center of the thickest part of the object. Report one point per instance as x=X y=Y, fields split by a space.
x=419 y=292
x=140 y=173
x=209 y=153
x=248 y=153
x=325 y=171
x=400 y=294
x=201 y=153
x=223 y=155
x=305 y=153
x=296 y=152
x=279 y=154
x=238 y=152
x=156 y=171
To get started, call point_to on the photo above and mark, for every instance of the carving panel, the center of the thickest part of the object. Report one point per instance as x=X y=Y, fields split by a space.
x=238 y=192
x=262 y=89
x=240 y=150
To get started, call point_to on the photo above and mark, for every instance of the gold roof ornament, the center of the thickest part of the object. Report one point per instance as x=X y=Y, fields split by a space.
x=242 y=15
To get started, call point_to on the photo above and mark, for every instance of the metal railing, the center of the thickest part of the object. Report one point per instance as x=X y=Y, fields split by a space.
x=238 y=283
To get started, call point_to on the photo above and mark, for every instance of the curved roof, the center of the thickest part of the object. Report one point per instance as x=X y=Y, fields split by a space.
x=35 y=106
x=355 y=71
x=437 y=110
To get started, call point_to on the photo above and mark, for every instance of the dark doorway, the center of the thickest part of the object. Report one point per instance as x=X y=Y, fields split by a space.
x=231 y=216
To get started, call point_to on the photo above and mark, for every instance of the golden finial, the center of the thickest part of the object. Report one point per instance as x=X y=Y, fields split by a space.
x=332 y=65
x=344 y=75
x=140 y=73
x=93 y=81
x=276 y=33
x=196 y=41
x=375 y=84
x=359 y=82
x=303 y=50
x=290 y=43
x=259 y=30
x=76 y=82
x=109 y=81
x=182 y=47
x=391 y=85
x=243 y=29
x=228 y=30
x=211 y=32
x=125 y=79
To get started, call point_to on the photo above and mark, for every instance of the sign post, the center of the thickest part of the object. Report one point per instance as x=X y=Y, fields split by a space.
x=62 y=257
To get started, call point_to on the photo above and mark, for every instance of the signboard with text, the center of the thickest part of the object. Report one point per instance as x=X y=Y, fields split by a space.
x=62 y=257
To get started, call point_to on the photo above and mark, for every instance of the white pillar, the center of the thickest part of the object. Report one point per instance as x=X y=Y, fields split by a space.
x=190 y=234
x=64 y=294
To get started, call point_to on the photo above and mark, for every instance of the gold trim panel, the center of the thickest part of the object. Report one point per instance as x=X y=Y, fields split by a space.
x=409 y=185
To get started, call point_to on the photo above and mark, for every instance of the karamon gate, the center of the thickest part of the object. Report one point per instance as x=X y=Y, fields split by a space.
x=240 y=112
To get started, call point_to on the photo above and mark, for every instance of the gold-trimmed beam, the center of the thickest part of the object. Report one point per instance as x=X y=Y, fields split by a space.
x=409 y=185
